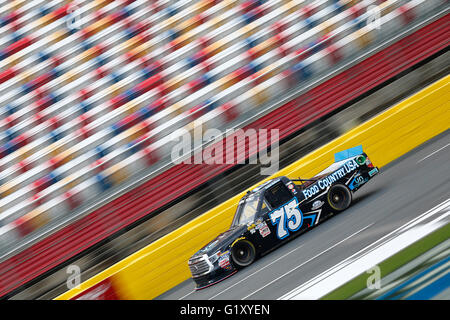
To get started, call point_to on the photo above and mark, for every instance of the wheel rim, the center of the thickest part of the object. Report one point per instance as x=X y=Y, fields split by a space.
x=339 y=198
x=243 y=253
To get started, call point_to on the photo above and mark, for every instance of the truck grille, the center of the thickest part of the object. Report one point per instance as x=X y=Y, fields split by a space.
x=199 y=265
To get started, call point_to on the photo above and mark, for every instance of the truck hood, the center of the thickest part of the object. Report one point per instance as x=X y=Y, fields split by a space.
x=222 y=241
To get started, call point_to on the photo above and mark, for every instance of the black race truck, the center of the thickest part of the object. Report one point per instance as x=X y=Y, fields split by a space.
x=278 y=210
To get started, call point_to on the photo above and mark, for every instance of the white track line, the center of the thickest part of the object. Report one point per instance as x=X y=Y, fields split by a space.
x=186 y=295
x=245 y=277
x=317 y=255
x=375 y=245
x=284 y=255
x=448 y=144
x=324 y=286
x=324 y=283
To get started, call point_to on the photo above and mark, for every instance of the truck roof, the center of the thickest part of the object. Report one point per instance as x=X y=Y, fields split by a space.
x=266 y=184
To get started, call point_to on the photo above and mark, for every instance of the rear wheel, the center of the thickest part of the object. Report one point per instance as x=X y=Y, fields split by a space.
x=339 y=197
x=243 y=253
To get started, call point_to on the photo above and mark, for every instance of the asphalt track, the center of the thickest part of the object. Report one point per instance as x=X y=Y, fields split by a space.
x=406 y=188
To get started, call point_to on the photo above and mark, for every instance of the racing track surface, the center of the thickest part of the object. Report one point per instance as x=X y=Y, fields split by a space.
x=403 y=190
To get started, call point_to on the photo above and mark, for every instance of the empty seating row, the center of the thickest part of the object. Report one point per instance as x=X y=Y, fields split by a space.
x=50 y=167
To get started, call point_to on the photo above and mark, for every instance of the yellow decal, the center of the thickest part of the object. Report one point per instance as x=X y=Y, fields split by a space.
x=241 y=238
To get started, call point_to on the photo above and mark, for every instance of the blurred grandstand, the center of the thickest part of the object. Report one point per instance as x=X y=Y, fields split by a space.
x=93 y=95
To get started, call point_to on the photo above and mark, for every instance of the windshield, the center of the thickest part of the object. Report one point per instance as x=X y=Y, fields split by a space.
x=247 y=209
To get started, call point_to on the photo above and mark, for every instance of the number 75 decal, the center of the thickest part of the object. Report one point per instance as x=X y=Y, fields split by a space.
x=287 y=218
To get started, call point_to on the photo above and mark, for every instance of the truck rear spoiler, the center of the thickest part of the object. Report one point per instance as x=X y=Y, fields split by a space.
x=349 y=153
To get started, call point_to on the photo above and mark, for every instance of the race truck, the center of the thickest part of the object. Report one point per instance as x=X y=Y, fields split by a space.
x=278 y=210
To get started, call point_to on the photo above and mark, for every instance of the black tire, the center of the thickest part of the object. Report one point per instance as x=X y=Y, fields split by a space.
x=339 y=197
x=243 y=253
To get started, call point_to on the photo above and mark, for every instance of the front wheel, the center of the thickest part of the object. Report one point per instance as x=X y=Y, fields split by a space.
x=339 y=197
x=243 y=253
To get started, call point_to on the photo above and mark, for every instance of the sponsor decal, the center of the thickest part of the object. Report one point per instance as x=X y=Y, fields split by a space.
x=361 y=180
x=373 y=172
x=357 y=182
x=326 y=182
x=264 y=230
x=240 y=238
x=317 y=204
x=261 y=224
x=292 y=188
x=224 y=260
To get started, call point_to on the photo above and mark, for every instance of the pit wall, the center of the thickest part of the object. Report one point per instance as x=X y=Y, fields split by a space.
x=163 y=264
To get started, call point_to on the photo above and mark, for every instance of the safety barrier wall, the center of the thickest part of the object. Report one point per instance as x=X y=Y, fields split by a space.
x=159 y=191
x=163 y=264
